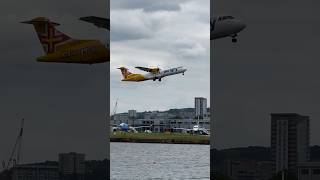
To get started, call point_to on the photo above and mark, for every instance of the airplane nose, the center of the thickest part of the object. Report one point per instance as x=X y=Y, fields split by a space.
x=241 y=25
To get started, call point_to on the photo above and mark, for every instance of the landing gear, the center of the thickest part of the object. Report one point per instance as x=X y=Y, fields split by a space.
x=234 y=38
x=154 y=79
x=159 y=79
x=182 y=74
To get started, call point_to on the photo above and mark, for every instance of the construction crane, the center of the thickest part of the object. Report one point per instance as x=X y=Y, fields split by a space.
x=115 y=108
x=16 y=151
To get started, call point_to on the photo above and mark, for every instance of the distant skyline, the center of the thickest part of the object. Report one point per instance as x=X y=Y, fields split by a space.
x=162 y=34
x=153 y=109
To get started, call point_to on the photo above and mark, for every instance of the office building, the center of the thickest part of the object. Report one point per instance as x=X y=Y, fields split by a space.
x=200 y=105
x=132 y=114
x=71 y=166
x=289 y=141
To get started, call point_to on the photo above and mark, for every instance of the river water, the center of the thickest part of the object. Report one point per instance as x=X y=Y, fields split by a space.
x=139 y=161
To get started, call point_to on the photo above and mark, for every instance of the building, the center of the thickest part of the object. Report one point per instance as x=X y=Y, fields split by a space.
x=37 y=171
x=200 y=105
x=71 y=166
x=162 y=120
x=248 y=169
x=308 y=171
x=289 y=141
x=132 y=114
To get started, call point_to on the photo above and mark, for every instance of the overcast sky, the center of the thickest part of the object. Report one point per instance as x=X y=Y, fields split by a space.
x=166 y=34
x=64 y=105
x=273 y=68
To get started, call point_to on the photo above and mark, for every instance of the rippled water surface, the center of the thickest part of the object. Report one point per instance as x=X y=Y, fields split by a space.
x=130 y=161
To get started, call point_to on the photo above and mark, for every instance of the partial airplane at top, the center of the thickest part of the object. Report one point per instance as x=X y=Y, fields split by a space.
x=220 y=27
x=61 y=48
x=153 y=73
x=225 y=26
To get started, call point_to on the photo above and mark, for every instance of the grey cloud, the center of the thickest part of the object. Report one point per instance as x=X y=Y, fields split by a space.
x=147 y=5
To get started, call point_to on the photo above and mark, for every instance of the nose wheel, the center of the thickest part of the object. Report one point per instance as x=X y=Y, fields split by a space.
x=234 y=38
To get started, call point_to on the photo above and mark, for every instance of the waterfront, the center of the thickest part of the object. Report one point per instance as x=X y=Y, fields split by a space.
x=169 y=138
x=135 y=161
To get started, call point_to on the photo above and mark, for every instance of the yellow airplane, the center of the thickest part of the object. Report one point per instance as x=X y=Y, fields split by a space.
x=153 y=73
x=61 y=48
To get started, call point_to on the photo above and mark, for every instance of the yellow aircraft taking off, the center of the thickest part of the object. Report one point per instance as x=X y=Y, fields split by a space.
x=61 y=48
x=153 y=73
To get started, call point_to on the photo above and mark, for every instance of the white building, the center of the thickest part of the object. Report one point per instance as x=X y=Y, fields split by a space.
x=200 y=105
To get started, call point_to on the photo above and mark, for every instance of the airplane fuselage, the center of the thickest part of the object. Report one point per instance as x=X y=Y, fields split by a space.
x=225 y=26
x=155 y=75
x=79 y=51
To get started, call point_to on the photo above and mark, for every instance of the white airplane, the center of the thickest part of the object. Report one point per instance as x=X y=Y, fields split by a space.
x=197 y=129
x=126 y=128
x=225 y=26
x=153 y=73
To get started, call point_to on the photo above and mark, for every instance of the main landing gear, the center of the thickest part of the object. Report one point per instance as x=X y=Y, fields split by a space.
x=159 y=79
x=234 y=38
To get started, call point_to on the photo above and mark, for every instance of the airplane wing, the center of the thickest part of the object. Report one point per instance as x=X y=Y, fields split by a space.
x=144 y=69
x=97 y=21
x=153 y=70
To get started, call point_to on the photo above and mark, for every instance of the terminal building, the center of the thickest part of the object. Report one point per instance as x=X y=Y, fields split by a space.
x=37 y=171
x=167 y=120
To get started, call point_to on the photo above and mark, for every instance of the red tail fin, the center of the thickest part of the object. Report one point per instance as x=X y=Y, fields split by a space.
x=48 y=35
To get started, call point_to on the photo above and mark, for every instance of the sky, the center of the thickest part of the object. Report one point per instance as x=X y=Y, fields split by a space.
x=64 y=105
x=163 y=34
x=273 y=68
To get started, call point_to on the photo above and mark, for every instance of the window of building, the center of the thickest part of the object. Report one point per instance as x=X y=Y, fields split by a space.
x=304 y=171
x=316 y=171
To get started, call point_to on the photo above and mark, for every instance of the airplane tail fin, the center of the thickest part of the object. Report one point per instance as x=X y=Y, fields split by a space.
x=124 y=72
x=48 y=35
